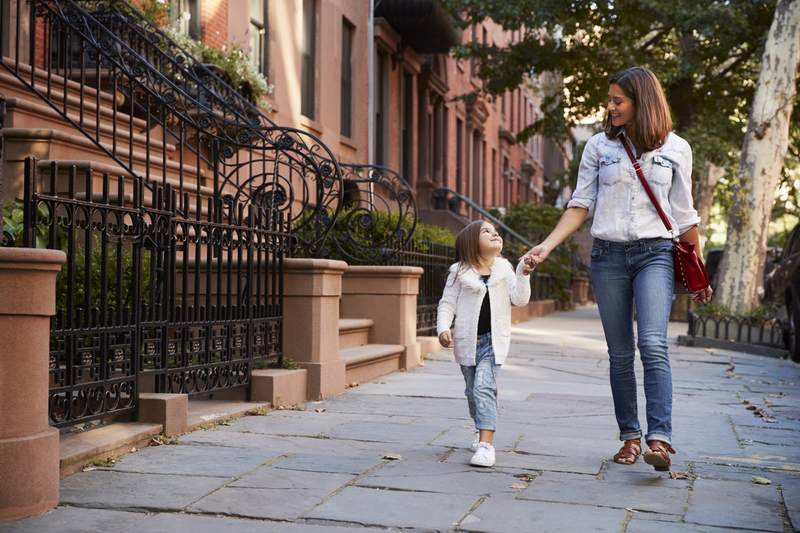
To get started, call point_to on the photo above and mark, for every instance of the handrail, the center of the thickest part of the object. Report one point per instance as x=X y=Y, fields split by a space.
x=484 y=213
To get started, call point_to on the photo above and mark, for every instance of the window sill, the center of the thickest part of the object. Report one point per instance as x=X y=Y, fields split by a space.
x=311 y=124
x=348 y=142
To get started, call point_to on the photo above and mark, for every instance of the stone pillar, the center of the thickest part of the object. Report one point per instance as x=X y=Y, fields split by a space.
x=388 y=296
x=312 y=288
x=29 y=467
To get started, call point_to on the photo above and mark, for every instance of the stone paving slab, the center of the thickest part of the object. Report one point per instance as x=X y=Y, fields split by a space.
x=501 y=515
x=274 y=504
x=376 y=507
x=735 y=504
x=77 y=520
x=124 y=490
x=641 y=525
x=329 y=463
x=171 y=523
x=445 y=478
x=194 y=460
x=656 y=495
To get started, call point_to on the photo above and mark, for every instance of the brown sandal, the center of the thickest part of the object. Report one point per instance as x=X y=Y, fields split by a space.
x=658 y=455
x=629 y=453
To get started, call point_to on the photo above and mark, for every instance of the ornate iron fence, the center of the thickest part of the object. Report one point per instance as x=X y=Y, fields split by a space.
x=153 y=298
x=770 y=333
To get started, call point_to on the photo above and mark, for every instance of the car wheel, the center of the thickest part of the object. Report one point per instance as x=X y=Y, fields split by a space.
x=792 y=332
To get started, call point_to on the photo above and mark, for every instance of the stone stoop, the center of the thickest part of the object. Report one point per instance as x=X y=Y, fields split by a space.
x=365 y=361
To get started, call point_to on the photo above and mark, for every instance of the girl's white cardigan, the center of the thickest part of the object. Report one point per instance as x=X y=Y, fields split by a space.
x=462 y=299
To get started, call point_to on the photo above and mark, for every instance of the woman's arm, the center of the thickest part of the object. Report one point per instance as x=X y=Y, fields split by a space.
x=570 y=222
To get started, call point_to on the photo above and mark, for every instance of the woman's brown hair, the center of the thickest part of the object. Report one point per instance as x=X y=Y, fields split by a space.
x=468 y=251
x=651 y=120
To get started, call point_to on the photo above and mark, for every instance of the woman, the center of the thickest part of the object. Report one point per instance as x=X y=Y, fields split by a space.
x=632 y=250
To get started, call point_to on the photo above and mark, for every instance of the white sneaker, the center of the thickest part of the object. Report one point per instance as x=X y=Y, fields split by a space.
x=476 y=441
x=484 y=455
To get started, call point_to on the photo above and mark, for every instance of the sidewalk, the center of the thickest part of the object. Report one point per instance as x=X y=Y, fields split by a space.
x=392 y=455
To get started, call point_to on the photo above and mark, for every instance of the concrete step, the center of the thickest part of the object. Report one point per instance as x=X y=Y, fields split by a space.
x=364 y=363
x=354 y=332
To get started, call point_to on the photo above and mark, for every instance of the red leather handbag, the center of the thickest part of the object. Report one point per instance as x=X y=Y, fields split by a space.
x=690 y=271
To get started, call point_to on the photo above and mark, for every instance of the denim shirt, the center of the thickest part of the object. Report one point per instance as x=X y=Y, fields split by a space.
x=609 y=188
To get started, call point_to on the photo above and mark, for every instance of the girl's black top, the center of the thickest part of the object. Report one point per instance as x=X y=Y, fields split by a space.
x=485 y=318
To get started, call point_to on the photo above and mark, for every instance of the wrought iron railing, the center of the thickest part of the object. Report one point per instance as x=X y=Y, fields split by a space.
x=152 y=298
x=159 y=120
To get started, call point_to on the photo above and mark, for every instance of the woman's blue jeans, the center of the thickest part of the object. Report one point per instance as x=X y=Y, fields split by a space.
x=637 y=273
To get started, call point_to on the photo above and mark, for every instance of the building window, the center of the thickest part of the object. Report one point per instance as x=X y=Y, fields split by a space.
x=407 y=105
x=347 y=78
x=187 y=15
x=308 y=96
x=259 y=50
x=380 y=108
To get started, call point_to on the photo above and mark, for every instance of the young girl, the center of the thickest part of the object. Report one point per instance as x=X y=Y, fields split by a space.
x=479 y=293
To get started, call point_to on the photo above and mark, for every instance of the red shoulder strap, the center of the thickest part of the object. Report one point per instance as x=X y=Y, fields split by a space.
x=647 y=189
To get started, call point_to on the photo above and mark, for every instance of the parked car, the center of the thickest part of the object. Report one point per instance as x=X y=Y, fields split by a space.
x=714 y=257
x=782 y=286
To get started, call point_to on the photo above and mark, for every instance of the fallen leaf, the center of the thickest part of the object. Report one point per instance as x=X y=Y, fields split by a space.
x=524 y=477
x=89 y=468
x=393 y=456
x=133 y=450
x=320 y=410
x=519 y=486
x=758 y=480
x=770 y=420
x=751 y=407
x=711 y=350
x=679 y=475
x=630 y=510
x=746 y=402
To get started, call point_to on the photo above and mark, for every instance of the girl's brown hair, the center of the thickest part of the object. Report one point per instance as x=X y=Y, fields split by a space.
x=651 y=120
x=468 y=252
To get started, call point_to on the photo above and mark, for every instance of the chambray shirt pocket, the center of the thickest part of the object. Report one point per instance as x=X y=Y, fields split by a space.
x=611 y=170
x=661 y=171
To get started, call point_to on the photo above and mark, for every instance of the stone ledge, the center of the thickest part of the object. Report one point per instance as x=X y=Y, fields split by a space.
x=76 y=450
x=280 y=387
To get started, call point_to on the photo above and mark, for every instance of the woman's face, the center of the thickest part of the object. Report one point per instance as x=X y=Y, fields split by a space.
x=490 y=243
x=620 y=106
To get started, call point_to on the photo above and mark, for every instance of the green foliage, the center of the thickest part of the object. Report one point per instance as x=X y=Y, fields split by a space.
x=233 y=60
x=764 y=312
x=352 y=235
x=13 y=224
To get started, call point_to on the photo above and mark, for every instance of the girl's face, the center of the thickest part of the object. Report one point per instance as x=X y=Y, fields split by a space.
x=490 y=243
x=620 y=107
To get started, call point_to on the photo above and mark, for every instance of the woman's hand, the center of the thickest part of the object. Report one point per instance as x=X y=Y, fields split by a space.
x=538 y=254
x=703 y=297
x=446 y=339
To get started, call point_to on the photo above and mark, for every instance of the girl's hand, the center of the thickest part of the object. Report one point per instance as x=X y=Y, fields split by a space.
x=538 y=253
x=530 y=264
x=703 y=297
x=446 y=339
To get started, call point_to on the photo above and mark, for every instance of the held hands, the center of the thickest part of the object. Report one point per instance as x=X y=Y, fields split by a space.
x=446 y=339
x=530 y=264
x=536 y=255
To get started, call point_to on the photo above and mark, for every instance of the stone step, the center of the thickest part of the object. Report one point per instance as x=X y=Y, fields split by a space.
x=25 y=113
x=11 y=86
x=364 y=363
x=77 y=450
x=354 y=332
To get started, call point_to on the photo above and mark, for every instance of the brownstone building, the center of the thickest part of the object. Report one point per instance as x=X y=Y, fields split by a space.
x=316 y=53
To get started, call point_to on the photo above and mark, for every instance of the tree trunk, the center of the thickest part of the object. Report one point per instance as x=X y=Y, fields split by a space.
x=763 y=154
x=704 y=194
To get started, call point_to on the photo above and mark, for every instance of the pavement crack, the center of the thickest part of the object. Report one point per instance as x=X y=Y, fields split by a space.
x=477 y=503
